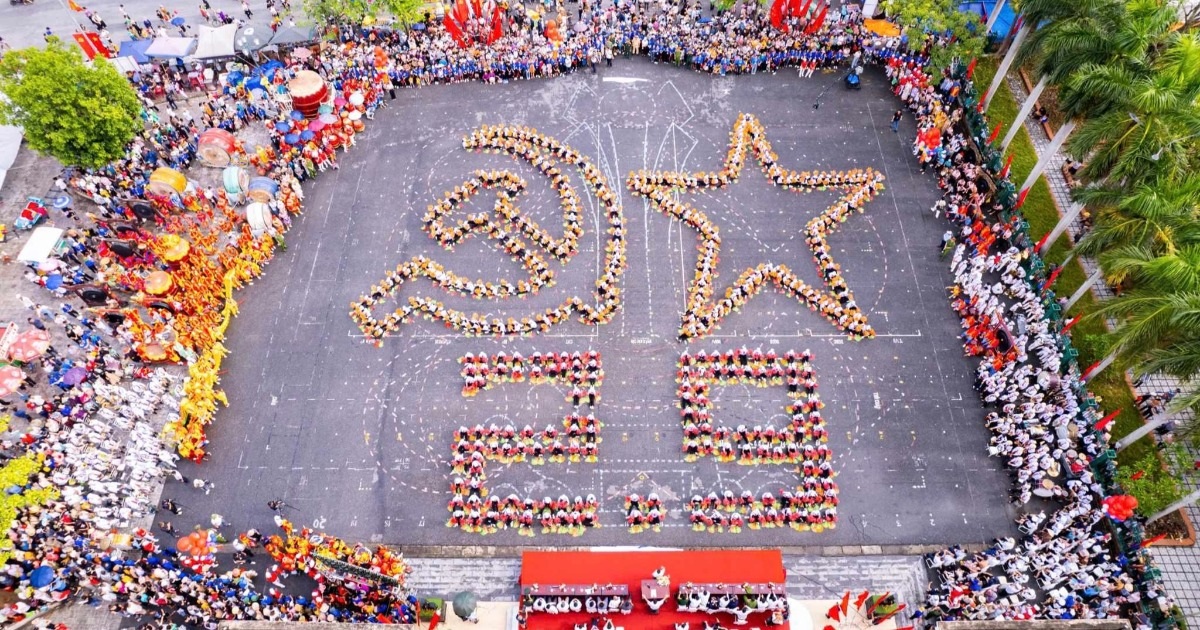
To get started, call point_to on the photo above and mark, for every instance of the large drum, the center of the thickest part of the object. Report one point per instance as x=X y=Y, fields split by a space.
x=216 y=147
x=258 y=216
x=235 y=179
x=164 y=181
x=308 y=91
x=262 y=189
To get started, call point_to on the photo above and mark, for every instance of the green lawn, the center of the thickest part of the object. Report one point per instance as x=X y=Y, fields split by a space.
x=1042 y=214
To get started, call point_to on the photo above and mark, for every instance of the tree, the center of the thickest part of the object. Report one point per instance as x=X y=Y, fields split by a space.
x=1143 y=113
x=925 y=20
x=1158 y=216
x=359 y=12
x=82 y=115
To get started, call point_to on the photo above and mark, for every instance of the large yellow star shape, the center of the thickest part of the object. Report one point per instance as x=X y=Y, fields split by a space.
x=703 y=314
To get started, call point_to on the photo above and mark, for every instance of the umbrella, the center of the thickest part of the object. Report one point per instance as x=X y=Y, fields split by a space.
x=10 y=379
x=50 y=264
x=282 y=127
x=464 y=604
x=581 y=27
x=297 y=114
x=325 y=109
x=252 y=38
x=327 y=118
x=306 y=135
x=29 y=345
x=301 y=53
x=177 y=21
x=316 y=125
x=53 y=281
x=291 y=138
x=41 y=576
x=74 y=376
x=339 y=101
x=419 y=26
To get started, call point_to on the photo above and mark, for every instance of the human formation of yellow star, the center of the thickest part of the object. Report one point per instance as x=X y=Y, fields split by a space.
x=703 y=314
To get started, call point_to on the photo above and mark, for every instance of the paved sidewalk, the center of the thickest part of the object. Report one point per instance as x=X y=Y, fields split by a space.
x=1180 y=565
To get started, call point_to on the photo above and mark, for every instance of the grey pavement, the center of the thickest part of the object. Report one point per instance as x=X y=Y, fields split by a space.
x=1180 y=565
x=358 y=438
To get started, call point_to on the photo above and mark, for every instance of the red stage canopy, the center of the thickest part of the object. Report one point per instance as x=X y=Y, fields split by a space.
x=630 y=568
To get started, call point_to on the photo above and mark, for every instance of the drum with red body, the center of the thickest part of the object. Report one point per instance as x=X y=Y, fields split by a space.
x=216 y=147
x=308 y=91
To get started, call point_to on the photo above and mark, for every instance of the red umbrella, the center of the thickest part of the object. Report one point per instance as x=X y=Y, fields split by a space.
x=29 y=345
x=10 y=379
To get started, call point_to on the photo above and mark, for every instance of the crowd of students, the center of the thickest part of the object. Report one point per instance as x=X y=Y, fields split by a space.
x=1079 y=561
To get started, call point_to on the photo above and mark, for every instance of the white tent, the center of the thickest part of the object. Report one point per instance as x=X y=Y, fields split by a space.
x=125 y=64
x=41 y=245
x=10 y=144
x=171 y=47
x=213 y=43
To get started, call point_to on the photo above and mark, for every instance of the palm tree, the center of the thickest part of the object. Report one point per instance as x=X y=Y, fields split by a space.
x=1158 y=216
x=1162 y=309
x=1142 y=114
x=1122 y=38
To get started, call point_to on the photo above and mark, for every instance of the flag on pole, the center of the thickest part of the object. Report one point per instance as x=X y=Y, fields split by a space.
x=776 y=13
x=818 y=21
x=74 y=6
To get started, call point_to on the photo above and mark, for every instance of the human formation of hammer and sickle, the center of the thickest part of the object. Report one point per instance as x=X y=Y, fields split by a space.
x=523 y=239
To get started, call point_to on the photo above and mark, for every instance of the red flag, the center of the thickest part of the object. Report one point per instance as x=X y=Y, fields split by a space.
x=833 y=613
x=818 y=21
x=1154 y=540
x=1007 y=164
x=862 y=597
x=804 y=9
x=461 y=12
x=776 y=13
x=497 y=25
x=1021 y=197
x=846 y=603
x=98 y=44
x=84 y=43
x=454 y=29
x=1072 y=321
x=476 y=9
x=434 y=620
x=995 y=133
x=793 y=8
x=1107 y=420
x=971 y=67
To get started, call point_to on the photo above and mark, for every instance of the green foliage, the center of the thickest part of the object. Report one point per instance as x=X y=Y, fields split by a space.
x=82 y=115
x=724 y=5
x=1155 y=490
x=18 y=473
x=922 y=18
x=364 y=11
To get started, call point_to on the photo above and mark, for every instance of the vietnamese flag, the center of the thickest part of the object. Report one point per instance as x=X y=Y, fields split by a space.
x=497 y=25
x=454 y=29
x=1107 y=420
x=776 y=14
x=818 y=21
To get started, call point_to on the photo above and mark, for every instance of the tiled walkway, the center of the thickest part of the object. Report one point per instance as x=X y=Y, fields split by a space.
x=1180 y=565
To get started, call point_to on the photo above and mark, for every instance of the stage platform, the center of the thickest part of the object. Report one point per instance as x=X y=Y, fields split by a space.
x=732 y=567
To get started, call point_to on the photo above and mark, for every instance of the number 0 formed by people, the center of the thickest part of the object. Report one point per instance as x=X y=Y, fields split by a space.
x=472 y=507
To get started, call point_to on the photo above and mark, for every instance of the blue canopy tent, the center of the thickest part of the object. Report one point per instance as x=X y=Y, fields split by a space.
x=984 y=8
x=135 y=48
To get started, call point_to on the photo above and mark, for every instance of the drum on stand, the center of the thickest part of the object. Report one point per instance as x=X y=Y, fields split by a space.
x=308 y=91
x=164 y=181
x=216 y=147
x=236 y=180
x=262 y=189
x=258 y=216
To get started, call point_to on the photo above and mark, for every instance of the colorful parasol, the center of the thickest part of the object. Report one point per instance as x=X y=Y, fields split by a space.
x=11 y=377
x=158 y=283
x=29 y=345
x=301 y=53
